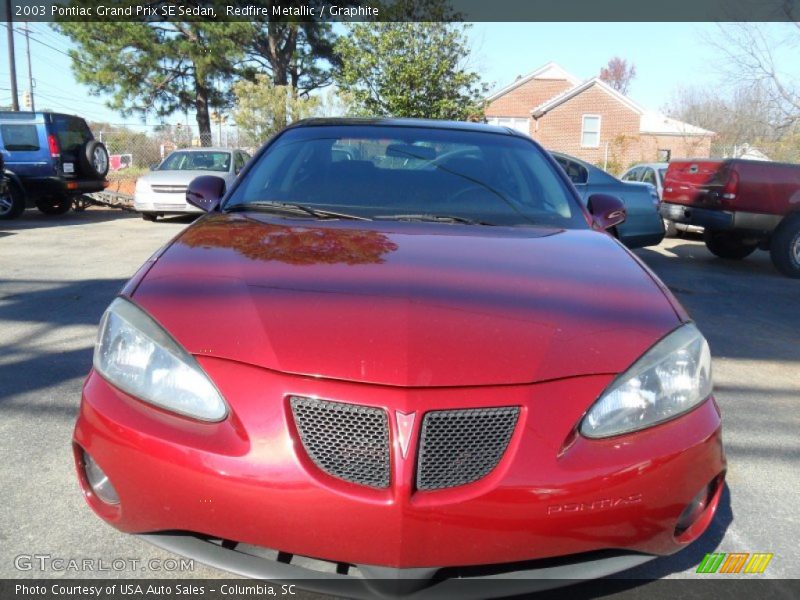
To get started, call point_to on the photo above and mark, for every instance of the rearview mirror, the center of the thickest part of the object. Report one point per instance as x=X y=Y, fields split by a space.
x=205 y=192
x=607 y=211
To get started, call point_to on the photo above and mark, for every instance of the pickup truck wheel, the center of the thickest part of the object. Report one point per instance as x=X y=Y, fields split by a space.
x=54 y=205
x=727 y=244
x=784 y=249
x=12 y=202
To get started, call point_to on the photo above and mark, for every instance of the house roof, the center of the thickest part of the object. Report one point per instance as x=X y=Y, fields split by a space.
x=651 y=122
x=577 y=89
x=549 y=71
x=654 y=122
x=748 y=152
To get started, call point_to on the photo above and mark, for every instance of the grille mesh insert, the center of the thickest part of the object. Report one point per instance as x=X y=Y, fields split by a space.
x=461 y=446
x=346 y=441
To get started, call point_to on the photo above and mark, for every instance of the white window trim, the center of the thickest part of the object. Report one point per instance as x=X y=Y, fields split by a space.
x=599 y=129
x=496 y=121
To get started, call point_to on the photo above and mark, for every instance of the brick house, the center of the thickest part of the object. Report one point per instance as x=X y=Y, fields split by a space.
x=590 y=120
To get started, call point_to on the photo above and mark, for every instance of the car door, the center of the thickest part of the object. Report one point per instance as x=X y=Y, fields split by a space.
x=649 y=176
x=233 y=170
x=634 y=174
x=577 y=173
x=239 y=162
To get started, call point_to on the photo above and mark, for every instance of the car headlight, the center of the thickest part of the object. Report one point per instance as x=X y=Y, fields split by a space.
x=141 y=186
x=137 y=355
x=669 y=379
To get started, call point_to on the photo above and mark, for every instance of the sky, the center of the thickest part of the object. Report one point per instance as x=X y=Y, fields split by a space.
x=667 y=56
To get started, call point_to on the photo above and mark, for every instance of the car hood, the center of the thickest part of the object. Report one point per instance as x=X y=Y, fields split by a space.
x=406 y=304
x=177 y=177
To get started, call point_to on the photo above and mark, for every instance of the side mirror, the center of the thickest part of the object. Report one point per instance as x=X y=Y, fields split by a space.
x=607 y=211
x=154 y=166
x=205 y=192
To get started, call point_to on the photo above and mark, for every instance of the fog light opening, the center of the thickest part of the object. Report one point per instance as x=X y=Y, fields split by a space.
x=99 y=481
x=695 y=509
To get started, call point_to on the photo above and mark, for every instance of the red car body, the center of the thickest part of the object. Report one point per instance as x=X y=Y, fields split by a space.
x=408 y=318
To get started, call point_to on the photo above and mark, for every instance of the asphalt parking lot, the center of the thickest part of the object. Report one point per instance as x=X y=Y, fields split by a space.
x=57 y=275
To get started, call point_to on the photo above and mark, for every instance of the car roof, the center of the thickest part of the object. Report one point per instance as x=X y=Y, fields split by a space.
x=205 y=149
x=27 y=114
x=654 y=165
x=392 y=122
x=580 y=161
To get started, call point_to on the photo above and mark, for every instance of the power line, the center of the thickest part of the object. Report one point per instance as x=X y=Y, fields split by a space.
x=49 y=34
x=67 y=54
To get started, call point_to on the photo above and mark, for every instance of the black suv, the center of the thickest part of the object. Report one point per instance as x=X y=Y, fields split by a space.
x=50 y=158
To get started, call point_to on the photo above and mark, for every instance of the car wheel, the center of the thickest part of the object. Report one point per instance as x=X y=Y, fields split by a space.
x=148 y=216
x=93 y=159
x=670 y=230
x=784 y=249
x=54 y=205
x=12 y=202
x=727 y=244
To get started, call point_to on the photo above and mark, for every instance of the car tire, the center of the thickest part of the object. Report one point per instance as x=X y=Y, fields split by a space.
x=54 y=205
x=149 y=216
x=12 y=202
x=784 y=248
x=728 y=244
x=93 y=159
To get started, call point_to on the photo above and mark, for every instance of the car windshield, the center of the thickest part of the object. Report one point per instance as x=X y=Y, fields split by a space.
x=197 y=161
x=411 y=172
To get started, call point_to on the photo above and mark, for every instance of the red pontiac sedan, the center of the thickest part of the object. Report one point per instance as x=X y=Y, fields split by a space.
x=400 y=355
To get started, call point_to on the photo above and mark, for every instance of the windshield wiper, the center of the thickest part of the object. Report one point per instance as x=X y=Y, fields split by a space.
x=433 y=219
x=292 y=207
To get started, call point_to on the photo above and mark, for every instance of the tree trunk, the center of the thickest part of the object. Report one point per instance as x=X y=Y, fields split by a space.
x=201 y=107
x=282 y=43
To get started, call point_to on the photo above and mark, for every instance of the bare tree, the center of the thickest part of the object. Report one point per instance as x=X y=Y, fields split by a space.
x=618 y=73
x=753 y=54
x=743 y=117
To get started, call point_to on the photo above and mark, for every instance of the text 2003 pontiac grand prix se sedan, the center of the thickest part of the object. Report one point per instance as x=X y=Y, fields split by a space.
x=400 y=354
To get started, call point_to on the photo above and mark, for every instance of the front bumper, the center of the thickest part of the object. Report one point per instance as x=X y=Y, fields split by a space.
x=247 y=479
x=162 y=202
x=416 y=584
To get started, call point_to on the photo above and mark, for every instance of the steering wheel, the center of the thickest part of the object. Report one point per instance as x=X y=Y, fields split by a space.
x=434 y=162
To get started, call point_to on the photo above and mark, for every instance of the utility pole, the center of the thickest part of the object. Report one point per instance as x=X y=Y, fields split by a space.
x=12 y=63
x=30 y=70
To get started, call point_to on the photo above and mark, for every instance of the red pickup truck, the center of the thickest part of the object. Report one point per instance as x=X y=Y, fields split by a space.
x=743 y=205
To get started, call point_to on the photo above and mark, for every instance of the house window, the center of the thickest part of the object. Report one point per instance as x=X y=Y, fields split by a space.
x=664 y=155
x=519 y=123
x=590 y=131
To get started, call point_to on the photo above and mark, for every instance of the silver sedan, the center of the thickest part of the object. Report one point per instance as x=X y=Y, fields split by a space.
x=163 y=190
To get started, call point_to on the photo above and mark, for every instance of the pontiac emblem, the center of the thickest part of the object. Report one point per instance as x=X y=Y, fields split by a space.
x=405 y=425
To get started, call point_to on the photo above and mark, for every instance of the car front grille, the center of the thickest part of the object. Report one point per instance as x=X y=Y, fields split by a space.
x=347 y=441
x=169 y=207
x=169 y=189
x=351 y=442
x=457 y=447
